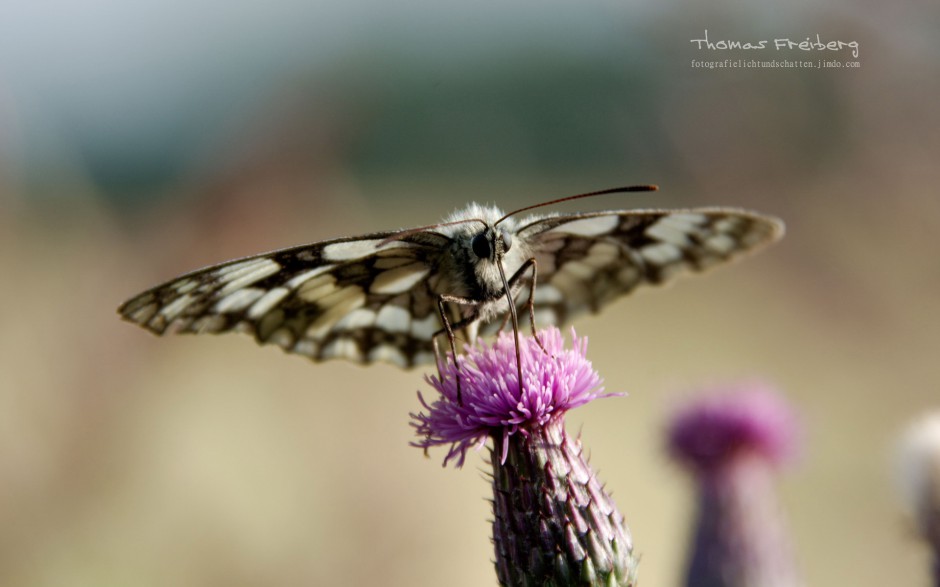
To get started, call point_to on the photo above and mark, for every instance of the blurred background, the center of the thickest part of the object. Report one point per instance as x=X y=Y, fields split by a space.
x=141 y=140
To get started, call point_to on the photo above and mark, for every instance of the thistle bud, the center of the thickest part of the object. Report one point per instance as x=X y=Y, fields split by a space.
x=919 y=467
x=732 y=443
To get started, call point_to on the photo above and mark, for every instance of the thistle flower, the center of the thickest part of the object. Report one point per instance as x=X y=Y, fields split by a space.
x=553 y=522
x=919 y=477
x=732 y=441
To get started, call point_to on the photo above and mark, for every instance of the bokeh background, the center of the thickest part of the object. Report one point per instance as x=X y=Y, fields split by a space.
x=141 y=140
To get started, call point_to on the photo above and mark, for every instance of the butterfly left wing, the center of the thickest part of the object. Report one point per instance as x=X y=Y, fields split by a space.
x=585 y=261
x=347 y=298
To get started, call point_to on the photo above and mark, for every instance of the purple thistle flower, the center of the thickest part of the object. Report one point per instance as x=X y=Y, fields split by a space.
x=732 y=441
x=715 y=430
x=919 y=479
x=553 y=384
x=553 y=523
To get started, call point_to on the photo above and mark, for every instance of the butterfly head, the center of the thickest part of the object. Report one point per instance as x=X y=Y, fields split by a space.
x=478 y=232
x=491 y=243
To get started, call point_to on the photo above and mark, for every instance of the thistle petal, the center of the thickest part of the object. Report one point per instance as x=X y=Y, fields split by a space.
x=556 y=380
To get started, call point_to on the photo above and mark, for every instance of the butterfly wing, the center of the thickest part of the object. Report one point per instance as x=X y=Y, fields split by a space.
x=360 y=299
x=585 y=261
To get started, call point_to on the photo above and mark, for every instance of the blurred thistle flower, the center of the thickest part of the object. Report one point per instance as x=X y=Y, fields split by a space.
x=553 y=522
x=919 y=478
x=732 y=441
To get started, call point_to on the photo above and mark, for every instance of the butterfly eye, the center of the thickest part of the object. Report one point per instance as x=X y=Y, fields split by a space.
x=507 y=240
x=481 y=246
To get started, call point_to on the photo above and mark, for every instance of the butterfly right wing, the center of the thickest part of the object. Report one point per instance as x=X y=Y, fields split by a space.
x=346 y=298
x=586 y=261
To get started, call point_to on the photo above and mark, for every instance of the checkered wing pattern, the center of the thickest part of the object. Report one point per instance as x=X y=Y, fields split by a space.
x=585 y=261
x=360 y=299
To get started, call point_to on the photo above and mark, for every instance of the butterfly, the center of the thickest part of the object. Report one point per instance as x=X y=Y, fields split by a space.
x=388 y=296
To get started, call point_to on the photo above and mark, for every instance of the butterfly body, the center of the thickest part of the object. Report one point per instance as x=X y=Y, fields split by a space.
x=387 y=296
x=473 y=257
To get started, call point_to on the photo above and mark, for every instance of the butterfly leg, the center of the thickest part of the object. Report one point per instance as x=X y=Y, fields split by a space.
x=449 y=329
x=514 y=282
x=502 y=325
x=507 y=291
x=438 y=361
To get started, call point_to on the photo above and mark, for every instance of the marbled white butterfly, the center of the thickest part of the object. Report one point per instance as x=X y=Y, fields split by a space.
x=387 y=296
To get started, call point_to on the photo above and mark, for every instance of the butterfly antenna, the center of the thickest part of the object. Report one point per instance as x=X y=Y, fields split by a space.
x=620 y=190
x=402 y=234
